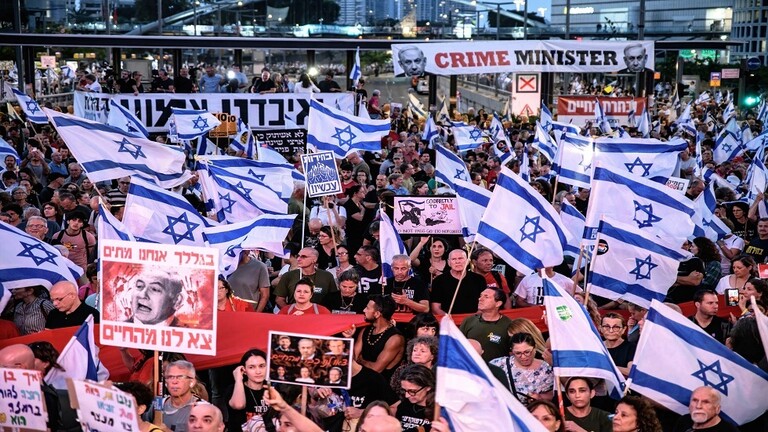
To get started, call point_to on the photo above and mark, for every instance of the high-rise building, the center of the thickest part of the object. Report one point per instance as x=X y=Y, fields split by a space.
x=352 y=12
x=750 y=25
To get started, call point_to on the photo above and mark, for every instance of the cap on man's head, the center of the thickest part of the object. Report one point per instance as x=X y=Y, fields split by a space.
x=77 y=214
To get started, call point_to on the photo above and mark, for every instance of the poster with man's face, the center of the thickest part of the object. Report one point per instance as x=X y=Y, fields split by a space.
x=158 y=297
x=303 y=359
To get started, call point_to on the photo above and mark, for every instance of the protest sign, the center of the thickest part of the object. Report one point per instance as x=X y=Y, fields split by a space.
x=22 y=403
x=427 y=215
x=322 y=174
x=304 y=359
x=102 y=408
x=159 y=297
x=287 y=142
x=678 y=183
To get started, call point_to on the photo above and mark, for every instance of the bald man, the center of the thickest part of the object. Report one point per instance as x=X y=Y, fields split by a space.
x=205 y=417
x=704 y=414
x=21 y=357
x=381 y=424
x=70 y=311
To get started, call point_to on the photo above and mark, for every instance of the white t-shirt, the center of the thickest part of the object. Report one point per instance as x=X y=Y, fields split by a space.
x=94 y=87
x=531 y=287
x=732 y=242
x=325 y=215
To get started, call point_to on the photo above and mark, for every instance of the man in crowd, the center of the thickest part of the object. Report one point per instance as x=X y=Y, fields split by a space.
x=706 y=317
x=530 y=291
x=75 y=174
x=179 y=377
x=118 y=195
x=380 y=346
x=307 y=260
x=182 y=83
x=396 y=184
x=758 y=246
x=328 y=85
x=37 y=227
x=55 y=181
x=704 y=413
x=163 y=83
x=81 y=243
x=581 y=416
x=368 y=268
x=264 y=84
x=409 y=292
x=70 y=311
x=211 y=82
x=57 y=164
x=204 y=417
x=489 y=327
x=21 y=357
x=482 y=259
x=445 y=285
x=251 y=281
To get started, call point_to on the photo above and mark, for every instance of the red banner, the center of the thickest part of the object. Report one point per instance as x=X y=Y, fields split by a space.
x=581 y=109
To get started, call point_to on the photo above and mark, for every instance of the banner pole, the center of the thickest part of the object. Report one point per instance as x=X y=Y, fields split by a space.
x=332 y=224
x=158 y=387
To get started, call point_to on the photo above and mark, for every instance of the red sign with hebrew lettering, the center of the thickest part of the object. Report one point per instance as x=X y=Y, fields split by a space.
x=581 y=109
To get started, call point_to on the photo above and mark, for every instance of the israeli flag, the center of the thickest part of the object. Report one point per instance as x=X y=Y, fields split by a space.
x=416 y=107
x=703 y=98
x=565 y=128
x=268 y=155
x=675 y=356
x=30 y=107
x=158 y=216
x=28 y=262
x=191 y=124
x=430 y=131
x=762 y=324
x=648 y=205
x=544 y=142
x=472 y=200
x=265 y=232
x=727 y=145
x=234 y=198
x=601 y=120
x=470 y=397
x=632 y=265
x=521 y=227
x=78 y=360
x=643 y=157
x=762 y=112
x=449 y=166
x=745 y=134
x=632 y=117
x=496 y=131
x=685 y=121
x=443 y=116
x=278 y=176
x=108 y=153
x=644 y=125
x=525 y=165
x=574 y=223
x=109 y=228
x=546 y=118
x=729 y=112
x=757 y=143
x=707 y=224
x=8 y=150
x=330 y=129
x=574 y=160
x=356 y=72
x=758 y=178
x=124 y=120
x=577 y=348
x=390 y=244
x=467 y=137
x=243 y=141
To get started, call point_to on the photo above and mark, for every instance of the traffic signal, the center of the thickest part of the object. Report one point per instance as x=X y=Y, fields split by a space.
x=751 y=90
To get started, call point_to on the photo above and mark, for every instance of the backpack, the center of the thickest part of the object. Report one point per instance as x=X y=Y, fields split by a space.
x=90 y=250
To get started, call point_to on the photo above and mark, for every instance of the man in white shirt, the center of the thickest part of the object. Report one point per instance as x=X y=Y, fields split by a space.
x=530 y=291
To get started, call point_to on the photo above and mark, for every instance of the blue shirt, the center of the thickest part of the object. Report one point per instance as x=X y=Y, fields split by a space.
x=399 y=191
x=59 y=168
x=210 y=84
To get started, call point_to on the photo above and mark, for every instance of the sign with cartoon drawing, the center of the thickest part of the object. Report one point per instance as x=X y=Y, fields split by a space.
x=427 y=215
x=322 y=174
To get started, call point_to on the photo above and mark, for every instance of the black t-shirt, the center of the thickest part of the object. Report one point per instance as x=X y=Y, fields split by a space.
x=596 y=421
x=260 y=86
x=414 y=288
x=355 y=229
x=444 y=286
x=326 y=86
x=161 y=84
x=758 y=249
x=368 y=386
x=685 y=424
x=623 y=354
x=125 y=85
x=254 y=405
x=412 y=416
x=370 y=280
x=718 y=328
x=183 y=85
x=338 y=305
x=57 y=319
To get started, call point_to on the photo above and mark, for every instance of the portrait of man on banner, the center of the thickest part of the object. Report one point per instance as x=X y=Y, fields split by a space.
x=411 y=61
x=318 y=360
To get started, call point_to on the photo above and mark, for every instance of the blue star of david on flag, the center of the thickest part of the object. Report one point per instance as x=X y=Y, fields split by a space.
x=184 y=220
x=244 y=190
x=722 y=378
x=29 y=252
x=537 y=229
x=231 y=250
x=639 y=163
x=727 y=147
x=638 y=270
x=475 y=134
x=130 y=148
x=344 y=143
x=647 y=210
x=227 y=202
x=259 y=177
x=32 y=106
x=459 y=173
x=200 y=123
x=584 y=164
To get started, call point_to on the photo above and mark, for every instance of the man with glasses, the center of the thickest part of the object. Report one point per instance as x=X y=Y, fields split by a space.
x=37 y=227
x=489 y=327
x=70 y=311
x=622 y=352
x=323 y=280
x=179 y=377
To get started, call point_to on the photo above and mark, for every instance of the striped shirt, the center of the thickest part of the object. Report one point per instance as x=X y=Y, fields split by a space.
x=30 y=318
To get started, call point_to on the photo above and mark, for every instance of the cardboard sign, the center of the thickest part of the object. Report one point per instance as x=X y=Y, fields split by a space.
x=102 y=408
x=322 y=174
x=48 y=62
x=305 y=359
x=227 y=128
x=159 y=297
x=22 y=403
x=427 y=215
x=678 y=184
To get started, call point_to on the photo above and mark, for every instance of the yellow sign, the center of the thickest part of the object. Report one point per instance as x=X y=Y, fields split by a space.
x=227 y=128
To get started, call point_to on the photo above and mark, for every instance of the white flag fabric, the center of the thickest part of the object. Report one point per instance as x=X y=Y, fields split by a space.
x=727 y=145
x=243 y=141
x=647 y=204
x=78 y=360
x=467 y=137
x=707 y=224
x=266 y=154
x=762 y=112
x=234 y=198
x=121 y=118
x=191 y=124
x=601 y=120
x=762 y=325
x=521 y=227
x=449 y=166
x=330 y=129
x=30 y=107
x=633 y=265
x=158 y=216
x=278 y=176
x=416 y=107
x=107 y=153
x=473 y=200
x=685 y=121
x=471 y=398
x=109 y=228
x=546 y=117
x=565 y=128
x=644 y=124
x=675 y=356
x=730 y=111
x=8 y=150
x=390 y=244
x=430 y=131
x=577 y=348
x=574 y=160
x=644 y=157
x=574 y=222
x=758 y=142
x=265 y=232
x=28 y=262
x=544 y=142
x=443 y=116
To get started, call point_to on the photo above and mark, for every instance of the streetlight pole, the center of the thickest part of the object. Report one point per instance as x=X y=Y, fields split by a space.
x=525 y=21
x=498 y=21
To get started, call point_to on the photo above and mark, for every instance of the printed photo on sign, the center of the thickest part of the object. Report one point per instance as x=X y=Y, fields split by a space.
x=159 y=297
x=417 y=215
x=22 y=403
x=305 y=359
x=322 y=174
x=103 y=408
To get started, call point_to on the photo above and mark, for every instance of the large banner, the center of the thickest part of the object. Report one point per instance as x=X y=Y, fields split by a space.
x=159 y=297
x=461 y=58
x=581 y=109
x=269 y=111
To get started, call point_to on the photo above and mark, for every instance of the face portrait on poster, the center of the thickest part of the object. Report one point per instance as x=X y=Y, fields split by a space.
x=159 y=297
x=303 y=359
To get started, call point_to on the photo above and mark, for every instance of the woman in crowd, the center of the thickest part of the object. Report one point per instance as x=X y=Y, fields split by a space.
x=420 y=188
x=303 y=305
x=364 y=180
x=635 y=414
x=417 y=398
x=700 y=271
x=46 y=357
x=19 y=194
x=533 y=378
x=743 y=268
x=326 y=248
x=31 y=309
x=347 y=301
x=32 y=196
x=246 y=406
x=227 y=301
x=745 y=227
x=305 y=85
x=421 y=350
x=144 y=397
x=430 y=263
x=375 y=409
x=88 y=188
x=52 y=212
x=342 y=258
x=548 y=415
x=524 y=325
x=706 y=250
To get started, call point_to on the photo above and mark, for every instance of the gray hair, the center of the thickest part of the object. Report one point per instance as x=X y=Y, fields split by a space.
x=181 y=364
x=403 y=257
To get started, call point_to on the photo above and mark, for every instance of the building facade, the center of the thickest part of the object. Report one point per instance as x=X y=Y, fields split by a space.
x=750 y=24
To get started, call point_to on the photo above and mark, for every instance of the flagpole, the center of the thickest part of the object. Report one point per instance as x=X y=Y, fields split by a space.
x=157 y=386
x=554 y=190
x=333 y=231
x=463 y=274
